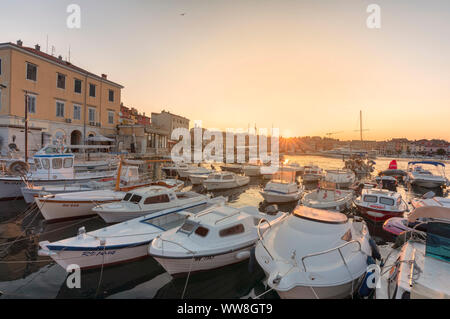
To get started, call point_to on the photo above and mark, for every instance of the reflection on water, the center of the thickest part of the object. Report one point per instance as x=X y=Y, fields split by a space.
x=40 y=277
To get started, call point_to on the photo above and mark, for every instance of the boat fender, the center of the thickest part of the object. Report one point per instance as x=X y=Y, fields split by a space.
x=364 y=290
x=251 y=261
x=243 y=255
x=375 y=251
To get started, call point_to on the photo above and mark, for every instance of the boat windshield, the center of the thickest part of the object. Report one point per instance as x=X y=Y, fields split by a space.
x=386 y=201
x=135 y=199
x=127 y=196
x=188 y=227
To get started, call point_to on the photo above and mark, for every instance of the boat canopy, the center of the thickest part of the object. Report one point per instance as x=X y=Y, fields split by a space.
x=427 y=162
x=429 y=212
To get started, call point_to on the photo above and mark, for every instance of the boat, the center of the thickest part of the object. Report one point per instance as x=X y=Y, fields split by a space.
x=225 y=180
x=283 y=188
x=129 y=175
x=419 y=176
x=312 y=173
x=416 y=220
x=53 y=166
x=145 y=200
x=234 y=168
x=216 y=237
x=429 y=199
x=63 y=206
x=378 y=205
x=342 y=178
x=328 y=197
x=118 y=243
x=315 y=253
x=194 y=171
x=420 y=269
x=175 y=168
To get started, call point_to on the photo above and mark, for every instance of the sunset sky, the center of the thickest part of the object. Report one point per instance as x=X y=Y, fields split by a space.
x=306 y=67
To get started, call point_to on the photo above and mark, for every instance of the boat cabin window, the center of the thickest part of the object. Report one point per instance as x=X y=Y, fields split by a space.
x=37 y=163
x=157 y=199
x=370 y=199
x=386 y=201
x=135 y=199
x=127 y=196
x=214 y=177
x=188 y=227
x=201 y=231
x=234 y=230
x=228 y=177
x=45 y=163
x=68 y=162
x=57 y=163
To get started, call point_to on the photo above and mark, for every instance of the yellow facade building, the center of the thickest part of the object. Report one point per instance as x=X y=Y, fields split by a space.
x=64 y=101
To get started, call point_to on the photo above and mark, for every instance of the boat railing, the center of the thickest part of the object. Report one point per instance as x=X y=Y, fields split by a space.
x=223 y=218
x=331 y=250
x=260 y=236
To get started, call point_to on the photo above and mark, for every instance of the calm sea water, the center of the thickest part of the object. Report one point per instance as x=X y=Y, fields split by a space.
x=24 y=274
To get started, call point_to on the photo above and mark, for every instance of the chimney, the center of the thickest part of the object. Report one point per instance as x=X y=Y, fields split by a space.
x=19 y=43
x=104 y=76
x=37 y=47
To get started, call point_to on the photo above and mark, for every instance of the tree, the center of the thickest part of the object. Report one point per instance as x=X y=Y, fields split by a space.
x=441 y=152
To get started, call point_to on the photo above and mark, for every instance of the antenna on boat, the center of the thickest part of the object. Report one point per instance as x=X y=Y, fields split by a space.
x=119 y=170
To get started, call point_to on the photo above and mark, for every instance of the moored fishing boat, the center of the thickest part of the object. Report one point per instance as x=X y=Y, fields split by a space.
x=283 y=188
x=315 y=254
x=342 y=178
x=213 y=238
x=378 y=205
x=146 y=200
x=225 y=180
x=328 y=197
x=312 y=173
x=118 y=243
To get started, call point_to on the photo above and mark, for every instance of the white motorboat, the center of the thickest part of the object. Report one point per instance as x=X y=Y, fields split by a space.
x=431 y=201
x=315 y=253
x=225 y=180
x=378 y=205
x=129 y=175
x=198 y=179
x=118 y=243
x=312 y=173
x=281 y=192
x=420 y=268
x=213 y=238
x=175 y=168
x=194 y=171
x=53 y=166
x=146 y=200
x=57 y=207
x=329 y=198
x=419 y=176
x=343 y=178
x=283 y=188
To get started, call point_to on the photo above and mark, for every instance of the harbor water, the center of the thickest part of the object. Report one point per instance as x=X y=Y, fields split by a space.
x=24 y=274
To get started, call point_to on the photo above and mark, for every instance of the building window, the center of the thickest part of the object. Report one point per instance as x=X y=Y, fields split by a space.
x=91 y=89
x=31 y=101
x=59 y=109
x=77 y=86
x=111 y=96
x=31 y=72
x=110 y=117
x=91 y=115
x=77 y=112
x=61 y=81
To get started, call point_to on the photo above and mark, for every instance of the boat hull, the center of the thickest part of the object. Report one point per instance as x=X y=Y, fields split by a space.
x=331 y=292
x=427 y=183
x=95 y=257
x=183 y=266
x=271 y=197
x=225 y=185
x=378 y=215
x=58 y=210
